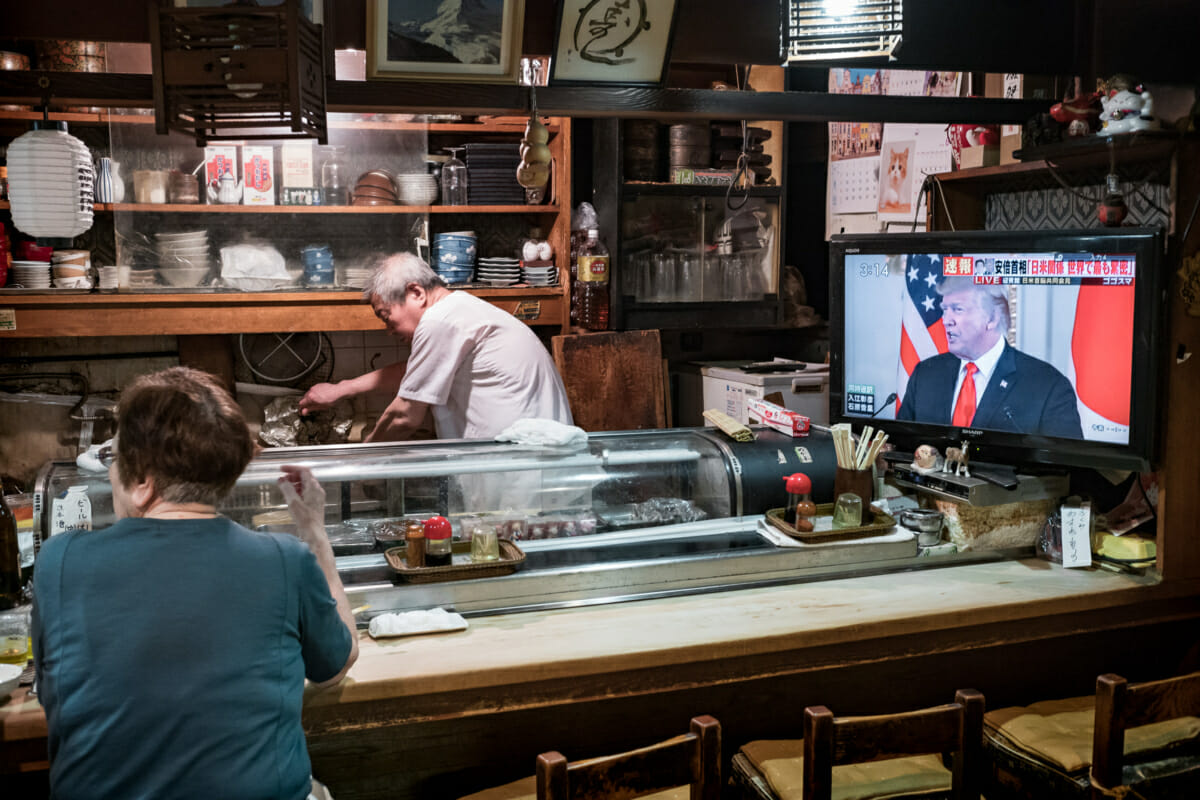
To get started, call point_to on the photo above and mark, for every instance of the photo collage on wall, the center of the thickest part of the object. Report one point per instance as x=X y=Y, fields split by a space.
x=876 y=171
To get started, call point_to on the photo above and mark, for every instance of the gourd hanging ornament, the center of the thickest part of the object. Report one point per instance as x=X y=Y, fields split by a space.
x=534 y=170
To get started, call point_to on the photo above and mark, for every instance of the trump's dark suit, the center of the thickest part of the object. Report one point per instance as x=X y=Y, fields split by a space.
x=1024 y=395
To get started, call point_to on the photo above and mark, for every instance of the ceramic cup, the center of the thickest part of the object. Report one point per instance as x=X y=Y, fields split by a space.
x=150 y=185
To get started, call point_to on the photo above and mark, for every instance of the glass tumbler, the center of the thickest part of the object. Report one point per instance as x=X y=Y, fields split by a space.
x=14 y=635
x=484 y=545
x=662 y=278
x=688 y=286
x=454 y=179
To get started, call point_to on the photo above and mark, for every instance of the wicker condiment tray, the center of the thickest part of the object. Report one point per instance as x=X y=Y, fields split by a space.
x=880 y=524
x=511 y=559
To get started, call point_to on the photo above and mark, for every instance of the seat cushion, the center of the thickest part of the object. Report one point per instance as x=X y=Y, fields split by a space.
x=781 y=763
x=526 y=789
x=1059 y=732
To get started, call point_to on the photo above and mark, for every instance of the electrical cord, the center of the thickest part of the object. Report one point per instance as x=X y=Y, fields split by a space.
x=743 y=161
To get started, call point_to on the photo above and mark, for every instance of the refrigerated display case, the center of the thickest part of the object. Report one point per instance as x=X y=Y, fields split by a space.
x=630 y=514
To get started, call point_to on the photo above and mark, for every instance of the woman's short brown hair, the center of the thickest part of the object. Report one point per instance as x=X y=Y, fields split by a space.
x=181 y=428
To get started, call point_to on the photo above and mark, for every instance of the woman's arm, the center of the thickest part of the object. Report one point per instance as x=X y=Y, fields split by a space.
x=306 y=501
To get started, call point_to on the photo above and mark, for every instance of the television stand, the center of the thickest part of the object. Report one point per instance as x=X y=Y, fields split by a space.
x=989 y=484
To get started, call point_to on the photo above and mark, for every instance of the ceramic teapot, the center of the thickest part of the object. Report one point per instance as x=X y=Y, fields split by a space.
x=225 y=190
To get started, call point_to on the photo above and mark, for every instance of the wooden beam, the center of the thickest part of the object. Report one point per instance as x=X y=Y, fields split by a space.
x=72 y=88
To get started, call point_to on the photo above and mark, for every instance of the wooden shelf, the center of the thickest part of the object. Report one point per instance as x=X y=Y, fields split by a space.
x=200 y=208
x=183 y=314
x=694 y=190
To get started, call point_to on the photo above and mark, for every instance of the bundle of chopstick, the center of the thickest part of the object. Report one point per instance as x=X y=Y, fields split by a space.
x=858 y=456
x=730 y=426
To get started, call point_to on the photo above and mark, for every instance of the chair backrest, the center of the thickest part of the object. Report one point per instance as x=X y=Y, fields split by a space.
x=614 y=379
x=1121 y=705
x=692 y=759
x=956 y=728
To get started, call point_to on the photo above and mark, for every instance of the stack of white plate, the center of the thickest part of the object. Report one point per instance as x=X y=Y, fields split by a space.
x=356 y=277
x=540 y=276
x=31 y=274
x=416 y=189
x=183 y=258
x=498 y=271
x=143 y=278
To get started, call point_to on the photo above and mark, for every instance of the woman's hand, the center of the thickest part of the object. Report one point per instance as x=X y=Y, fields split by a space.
x=306 y=501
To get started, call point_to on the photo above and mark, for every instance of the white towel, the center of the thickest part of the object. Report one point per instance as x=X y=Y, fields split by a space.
x=89 y=460
x=543 y=432
x=407 y=623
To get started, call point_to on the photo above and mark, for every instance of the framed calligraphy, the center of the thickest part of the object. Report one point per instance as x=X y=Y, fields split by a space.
x=613 y=41
x=433 y=40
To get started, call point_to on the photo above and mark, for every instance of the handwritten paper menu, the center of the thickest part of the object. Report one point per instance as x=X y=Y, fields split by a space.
x=1076 y=535
x=72 y=511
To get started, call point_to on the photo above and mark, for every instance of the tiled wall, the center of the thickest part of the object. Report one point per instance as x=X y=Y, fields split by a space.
x=357 y=352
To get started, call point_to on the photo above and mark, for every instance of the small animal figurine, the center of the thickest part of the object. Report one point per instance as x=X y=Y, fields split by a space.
x=1126 y=110
x=926 y=459
x=1080 y=114
x=957 y=457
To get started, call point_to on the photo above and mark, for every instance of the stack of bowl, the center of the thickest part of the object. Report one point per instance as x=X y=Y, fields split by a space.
x=417 y=189
x=183 y=258
x=454 y=256
x=318 y=265
x=375 y=188
x=71 y=269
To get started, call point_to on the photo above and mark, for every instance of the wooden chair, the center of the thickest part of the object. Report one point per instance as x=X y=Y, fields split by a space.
x=1121 y=705
x=615 y=380
x=692 y=759
x=955 y=728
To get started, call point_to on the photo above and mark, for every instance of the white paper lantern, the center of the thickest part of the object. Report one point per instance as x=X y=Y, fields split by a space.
x=50 y=182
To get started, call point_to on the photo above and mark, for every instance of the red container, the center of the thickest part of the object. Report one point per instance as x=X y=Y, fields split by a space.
x=27 y=250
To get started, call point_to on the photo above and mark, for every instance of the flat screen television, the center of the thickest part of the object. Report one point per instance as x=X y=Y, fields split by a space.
x=1057 y=332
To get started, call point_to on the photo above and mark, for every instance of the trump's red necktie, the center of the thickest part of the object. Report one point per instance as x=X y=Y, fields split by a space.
x=964 y=408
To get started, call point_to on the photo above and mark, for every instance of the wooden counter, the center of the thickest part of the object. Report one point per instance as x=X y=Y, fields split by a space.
x=440 y=715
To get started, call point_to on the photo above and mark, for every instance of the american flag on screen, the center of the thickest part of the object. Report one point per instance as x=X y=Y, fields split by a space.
x=922 y=334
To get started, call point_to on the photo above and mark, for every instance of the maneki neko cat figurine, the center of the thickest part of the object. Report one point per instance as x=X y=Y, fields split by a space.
x=1128 y=107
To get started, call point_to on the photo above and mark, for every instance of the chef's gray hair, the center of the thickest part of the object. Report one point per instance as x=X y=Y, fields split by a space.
x=392 y=275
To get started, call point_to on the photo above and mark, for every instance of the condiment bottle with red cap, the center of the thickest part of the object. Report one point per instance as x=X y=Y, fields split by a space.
x=437 y=542
x=800 y=506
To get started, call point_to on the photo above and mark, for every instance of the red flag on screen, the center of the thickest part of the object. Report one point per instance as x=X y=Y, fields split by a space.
x=922 y=334
x=1102 y=350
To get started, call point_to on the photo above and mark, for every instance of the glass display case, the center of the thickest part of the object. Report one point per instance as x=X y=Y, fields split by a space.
x=629 y=514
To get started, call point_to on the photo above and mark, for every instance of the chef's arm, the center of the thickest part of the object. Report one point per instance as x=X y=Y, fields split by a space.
x=399 y=421
x=385 y=380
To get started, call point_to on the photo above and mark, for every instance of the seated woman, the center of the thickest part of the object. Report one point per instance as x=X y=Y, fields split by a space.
x=172 y=648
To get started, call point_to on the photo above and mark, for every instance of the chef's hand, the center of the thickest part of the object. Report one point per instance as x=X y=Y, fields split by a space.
x=306 y=501
x=320 y=397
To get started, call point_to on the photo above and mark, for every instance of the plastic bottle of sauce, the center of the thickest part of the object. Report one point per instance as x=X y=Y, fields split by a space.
x=437 y=542
x=414 y=538
x=592 y=271
x=800 y=507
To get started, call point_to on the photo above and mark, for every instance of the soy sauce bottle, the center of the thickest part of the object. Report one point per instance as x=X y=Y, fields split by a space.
x=437 y=542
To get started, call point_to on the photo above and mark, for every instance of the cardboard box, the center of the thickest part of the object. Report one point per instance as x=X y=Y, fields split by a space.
x=1009 y=144
x=258 y=167
x=297 y=180
x=727 y=388
x=1024 y=87
x=219 y=159
x=984 y=155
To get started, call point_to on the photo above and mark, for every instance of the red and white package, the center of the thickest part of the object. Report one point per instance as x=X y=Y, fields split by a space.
x=784 y=420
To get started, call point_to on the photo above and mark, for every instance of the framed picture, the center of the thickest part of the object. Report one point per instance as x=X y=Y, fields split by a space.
x=434 y=40
x=613 y=41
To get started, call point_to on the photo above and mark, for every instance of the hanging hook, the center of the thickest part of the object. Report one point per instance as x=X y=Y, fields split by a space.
x=44 y=84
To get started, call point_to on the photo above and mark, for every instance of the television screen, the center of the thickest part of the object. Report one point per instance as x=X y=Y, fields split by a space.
x=1037 y=346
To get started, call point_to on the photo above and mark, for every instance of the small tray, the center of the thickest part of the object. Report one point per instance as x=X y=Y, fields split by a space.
x=511 y=559
x=880 y=523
